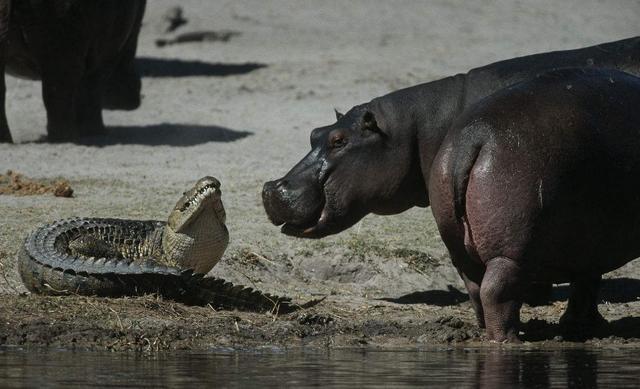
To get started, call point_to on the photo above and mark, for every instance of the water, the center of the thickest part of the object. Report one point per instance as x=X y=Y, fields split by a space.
x=484 y=368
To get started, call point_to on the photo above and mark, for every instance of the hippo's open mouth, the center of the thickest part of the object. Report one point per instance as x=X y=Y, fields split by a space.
x=313 y=227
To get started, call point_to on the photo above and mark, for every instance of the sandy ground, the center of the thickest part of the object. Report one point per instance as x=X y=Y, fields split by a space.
x=242 y=111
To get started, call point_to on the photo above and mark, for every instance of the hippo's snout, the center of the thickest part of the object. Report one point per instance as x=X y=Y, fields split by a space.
x=273 y=204
x=294 y=205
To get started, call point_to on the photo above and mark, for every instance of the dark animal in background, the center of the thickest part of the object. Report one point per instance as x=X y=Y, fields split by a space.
x=83 y=51
x=559 y=149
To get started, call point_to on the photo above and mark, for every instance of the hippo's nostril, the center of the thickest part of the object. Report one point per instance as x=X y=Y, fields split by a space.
x=282 y=184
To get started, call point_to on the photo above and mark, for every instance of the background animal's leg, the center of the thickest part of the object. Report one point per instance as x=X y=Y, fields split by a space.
x=89 y=106
x=122 y=89
x=501 y=295
x=63 y=63
x=5 y=135
x=582 y=310
x=61 y=81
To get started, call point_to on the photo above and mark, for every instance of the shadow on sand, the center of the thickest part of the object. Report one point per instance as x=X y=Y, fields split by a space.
x=614 y=290
x=441 y=298
x=163 y=67
x=165 y=134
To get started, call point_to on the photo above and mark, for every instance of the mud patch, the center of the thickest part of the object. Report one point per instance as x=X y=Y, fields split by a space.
x=13 y=183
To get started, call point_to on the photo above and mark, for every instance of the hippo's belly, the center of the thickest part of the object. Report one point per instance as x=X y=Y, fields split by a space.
x=594 y=241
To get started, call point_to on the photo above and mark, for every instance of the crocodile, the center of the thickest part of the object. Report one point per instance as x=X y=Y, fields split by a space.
x=117 y=257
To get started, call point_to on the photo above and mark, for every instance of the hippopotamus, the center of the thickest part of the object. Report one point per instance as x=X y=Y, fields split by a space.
x=480 y=160
x=83 y=51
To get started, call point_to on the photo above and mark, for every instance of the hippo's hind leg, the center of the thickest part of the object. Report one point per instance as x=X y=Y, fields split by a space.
x=582 y=315
x=501 y=294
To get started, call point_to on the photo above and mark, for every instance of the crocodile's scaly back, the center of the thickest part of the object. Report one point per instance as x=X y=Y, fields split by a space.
x=116 y=257
x=48 y=266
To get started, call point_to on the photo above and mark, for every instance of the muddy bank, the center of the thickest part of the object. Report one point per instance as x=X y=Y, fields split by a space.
x=150 y=324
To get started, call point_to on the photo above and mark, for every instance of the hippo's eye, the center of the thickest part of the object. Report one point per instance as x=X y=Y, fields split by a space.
x=337 y=141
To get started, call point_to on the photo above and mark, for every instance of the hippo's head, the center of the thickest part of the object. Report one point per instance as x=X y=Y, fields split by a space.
x=358 y=165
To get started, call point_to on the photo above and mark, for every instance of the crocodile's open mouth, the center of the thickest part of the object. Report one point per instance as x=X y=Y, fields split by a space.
x=194 y=201
x=200 y=194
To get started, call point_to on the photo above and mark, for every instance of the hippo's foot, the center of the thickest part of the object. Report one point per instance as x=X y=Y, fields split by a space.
x=500 y=293
x=582 y=319
x=576 y=326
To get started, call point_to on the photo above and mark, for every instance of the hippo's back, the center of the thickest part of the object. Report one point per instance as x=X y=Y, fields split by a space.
x=621 y=55
x=546 y=172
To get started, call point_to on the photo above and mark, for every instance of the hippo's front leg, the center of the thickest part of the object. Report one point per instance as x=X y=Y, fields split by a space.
x=501 y=296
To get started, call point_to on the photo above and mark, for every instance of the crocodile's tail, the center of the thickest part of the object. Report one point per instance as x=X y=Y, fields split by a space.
x=223 y=294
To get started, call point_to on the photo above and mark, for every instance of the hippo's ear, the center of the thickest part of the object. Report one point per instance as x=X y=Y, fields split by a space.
x=338 y=114
x=369 y=123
